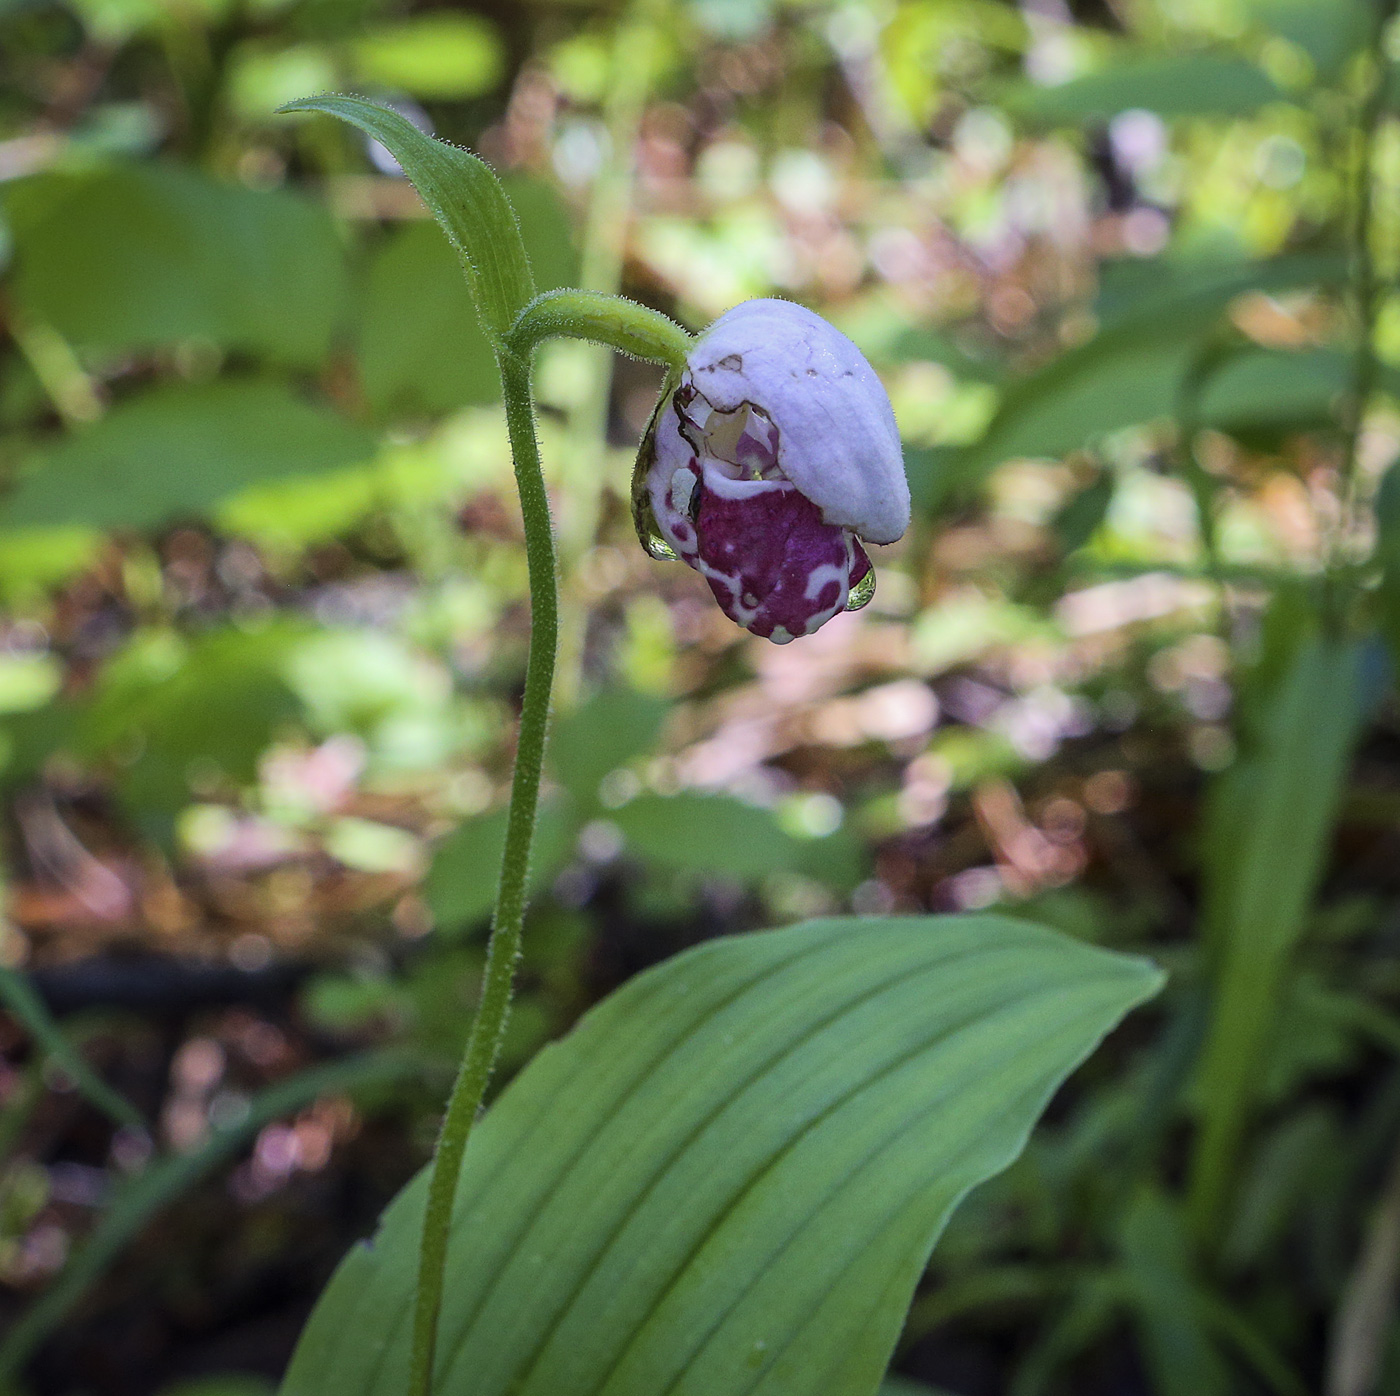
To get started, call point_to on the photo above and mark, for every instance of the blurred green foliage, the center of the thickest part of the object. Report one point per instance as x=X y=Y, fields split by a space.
x=262 y=607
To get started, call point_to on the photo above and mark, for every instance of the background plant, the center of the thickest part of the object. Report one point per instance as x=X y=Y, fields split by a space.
x=1133 y=679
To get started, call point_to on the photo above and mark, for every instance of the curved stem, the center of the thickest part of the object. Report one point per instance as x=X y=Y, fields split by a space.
x=612 y=320
x=488 y=1027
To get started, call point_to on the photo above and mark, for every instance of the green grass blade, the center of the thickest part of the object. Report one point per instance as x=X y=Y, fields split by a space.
x=1179 y=1350
x=17 y=994
x=1268 y=839
x=162 y=1182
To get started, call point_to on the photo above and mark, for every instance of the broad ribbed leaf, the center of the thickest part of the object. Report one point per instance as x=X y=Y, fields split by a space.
x=464 y=196
x=729 y=1177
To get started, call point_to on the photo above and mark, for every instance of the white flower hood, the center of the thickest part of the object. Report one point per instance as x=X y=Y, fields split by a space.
x=837 y=438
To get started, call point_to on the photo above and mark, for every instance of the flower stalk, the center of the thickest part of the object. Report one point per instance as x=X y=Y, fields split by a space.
x=503 y=949
x=646 y=334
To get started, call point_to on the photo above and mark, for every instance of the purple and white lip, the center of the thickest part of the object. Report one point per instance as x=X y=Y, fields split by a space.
x=769 y=462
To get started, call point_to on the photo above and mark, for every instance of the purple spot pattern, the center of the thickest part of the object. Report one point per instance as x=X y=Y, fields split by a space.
x=773 y=565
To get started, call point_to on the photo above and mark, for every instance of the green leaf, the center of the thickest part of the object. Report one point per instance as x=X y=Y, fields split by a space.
x=1263 y=392
x=137 y=257
x=215 y=703
x=1328 y=31
x=1387 y=556
x=420 y=345
x=1165 y=1298
x=263 y=76
x=177 y=451
x=547 y=229
x=1079 y=518
x=1131 y=370
x=465 y=197
x=461 y=885
x=607 y=732
x=1289 y=1166
x=1266 y=838
x=728 y=1178
x=442 y=54
x=1182 y=84
x=719 y=836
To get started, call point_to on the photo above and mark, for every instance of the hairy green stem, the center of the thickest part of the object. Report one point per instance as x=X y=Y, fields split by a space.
x=498 y=979
x=631 y=329
x=612 y=320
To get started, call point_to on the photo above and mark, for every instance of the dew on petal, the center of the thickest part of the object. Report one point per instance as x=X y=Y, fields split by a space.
x=861 y=592
x=658 y=548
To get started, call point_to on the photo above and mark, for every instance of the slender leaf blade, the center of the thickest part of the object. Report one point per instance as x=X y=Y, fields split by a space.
x=1183 y=1359
x=465 y=197
x=19 y=997
x=1387 y=558
x=1267 y=834
x=163 y=1181
x=1130 y=371
x=729 y=1177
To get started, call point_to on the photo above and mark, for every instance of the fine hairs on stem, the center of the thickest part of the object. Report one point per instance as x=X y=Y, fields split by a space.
x=503 y=950
x=631 y=329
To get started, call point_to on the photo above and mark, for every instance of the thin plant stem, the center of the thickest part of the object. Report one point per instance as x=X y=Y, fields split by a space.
x=1213 y=355
x=51 y=358
x=503 y=951
x=631 y=67
x=646 y=334
x=1364 y=294
x=621 y=324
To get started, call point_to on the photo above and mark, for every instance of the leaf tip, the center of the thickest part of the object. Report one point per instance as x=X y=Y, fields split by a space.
x=316 y=102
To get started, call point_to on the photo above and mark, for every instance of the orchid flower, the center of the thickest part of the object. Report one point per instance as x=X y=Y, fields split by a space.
x=769 y=462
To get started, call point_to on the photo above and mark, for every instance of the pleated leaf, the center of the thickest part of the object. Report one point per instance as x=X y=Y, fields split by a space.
x=729 y=1177
x=463 y=194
